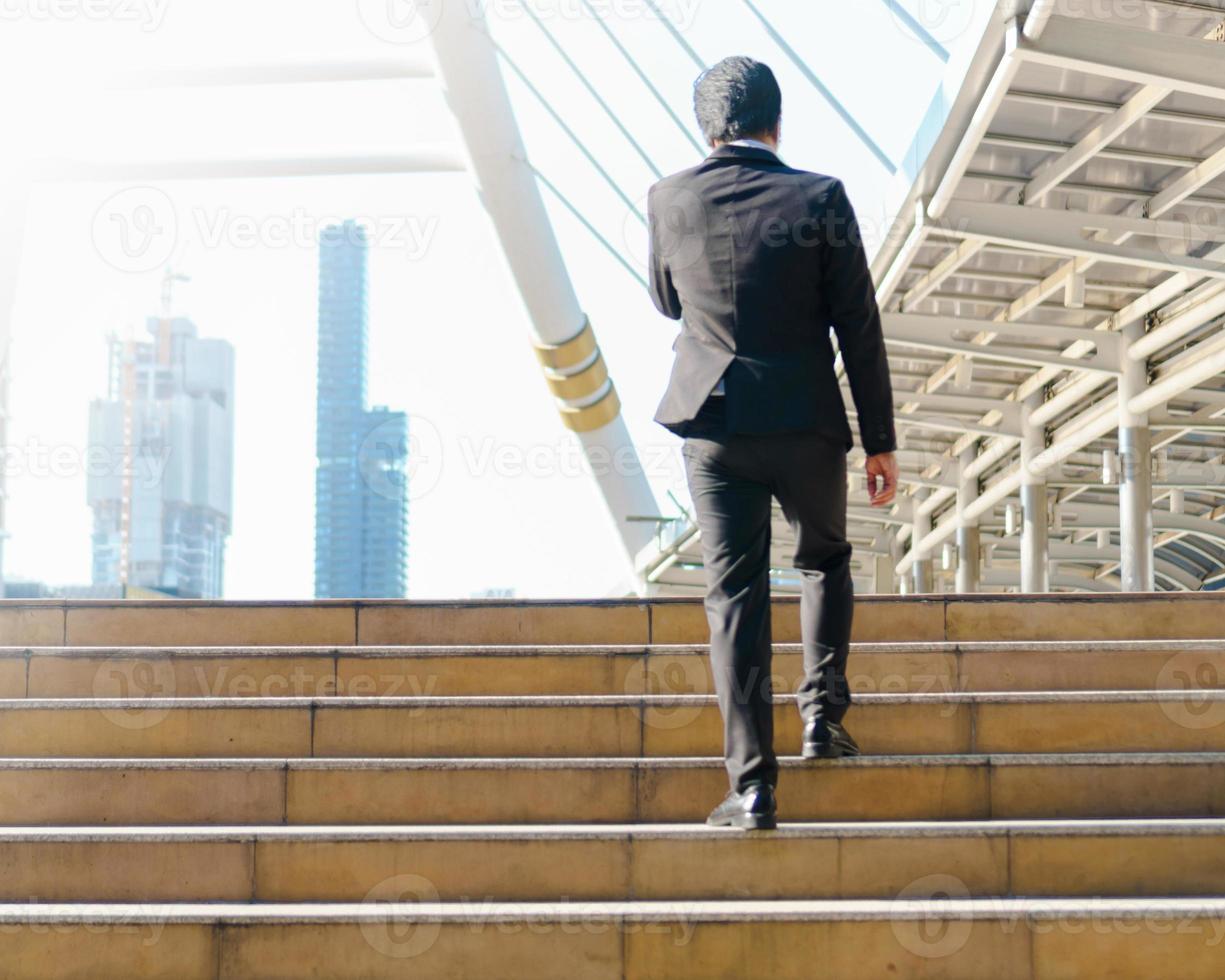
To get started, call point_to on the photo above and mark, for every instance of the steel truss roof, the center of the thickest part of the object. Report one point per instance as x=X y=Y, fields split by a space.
x=1075 y=190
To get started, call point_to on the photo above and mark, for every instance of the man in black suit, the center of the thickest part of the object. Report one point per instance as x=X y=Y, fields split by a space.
x=759 y=260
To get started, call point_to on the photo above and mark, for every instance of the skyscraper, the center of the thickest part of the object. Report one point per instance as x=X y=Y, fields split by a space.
x=160 y=476
x=361 y=490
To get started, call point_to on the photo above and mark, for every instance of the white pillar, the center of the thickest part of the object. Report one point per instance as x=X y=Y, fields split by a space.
x=884 y=580
x=921 y=569
x=1035 y=533
x=968 y=557
x=565 y=343
x=1135 y=474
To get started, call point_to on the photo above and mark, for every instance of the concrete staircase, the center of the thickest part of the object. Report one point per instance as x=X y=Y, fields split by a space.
x=517 y=789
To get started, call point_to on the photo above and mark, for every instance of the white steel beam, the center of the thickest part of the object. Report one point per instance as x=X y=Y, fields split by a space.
x=911 y=247
x=1205 y=360
x=1063 y=233
x=415 y=161
x=1186 y=185
x=930 y=281
x=992 y=98
x=1098 y=47
x=906 y=336
x=1052 y=173
x=939 y=327
x=270 y=73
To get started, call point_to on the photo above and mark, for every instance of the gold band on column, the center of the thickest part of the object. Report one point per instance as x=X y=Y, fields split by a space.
x=581 y=384
x=592 y=416
x=575 y=370
x=569 y=352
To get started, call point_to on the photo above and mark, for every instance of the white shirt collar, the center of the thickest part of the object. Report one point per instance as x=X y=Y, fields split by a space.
x=755 y=144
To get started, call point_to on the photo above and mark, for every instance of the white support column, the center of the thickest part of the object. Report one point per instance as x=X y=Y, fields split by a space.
x=573 y=366
x=884 y=575
x=1035 y=534
x=921 y=569
x=1136 y=475
x=968 y=556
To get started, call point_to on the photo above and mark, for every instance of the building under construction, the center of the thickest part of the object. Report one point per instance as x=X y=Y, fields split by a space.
x=160 y=478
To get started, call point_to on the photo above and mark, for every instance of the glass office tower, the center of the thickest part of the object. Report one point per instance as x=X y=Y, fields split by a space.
x=361 y=490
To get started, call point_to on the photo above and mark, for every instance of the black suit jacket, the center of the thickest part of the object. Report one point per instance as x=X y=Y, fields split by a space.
x=758 y=260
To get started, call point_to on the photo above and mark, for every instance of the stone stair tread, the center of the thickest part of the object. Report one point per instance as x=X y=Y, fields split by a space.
x=628 y=649
x=418 y=702
x=885 y=829
x=619 y=762
x=759 y=910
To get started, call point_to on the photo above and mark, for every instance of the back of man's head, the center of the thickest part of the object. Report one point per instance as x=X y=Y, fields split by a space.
x=737 y=99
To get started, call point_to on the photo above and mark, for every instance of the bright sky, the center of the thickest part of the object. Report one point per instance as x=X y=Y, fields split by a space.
x=497 y=501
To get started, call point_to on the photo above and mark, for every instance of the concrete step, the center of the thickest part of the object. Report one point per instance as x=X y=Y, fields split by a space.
x=56 y=622
x=1149 y=858
x=1006 y=939
x=41 y=792
x=399 y=671
x=598 y=726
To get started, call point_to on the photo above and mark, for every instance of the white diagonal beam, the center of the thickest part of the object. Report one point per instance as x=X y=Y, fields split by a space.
x=1187 y=184
x=1051 y=174
x=931 y=280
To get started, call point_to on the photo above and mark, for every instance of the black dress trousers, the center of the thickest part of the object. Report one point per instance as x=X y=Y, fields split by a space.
x=733 y=478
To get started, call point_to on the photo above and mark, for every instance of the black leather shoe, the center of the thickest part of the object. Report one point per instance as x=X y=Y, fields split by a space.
x=751 y=810
x=827 y=740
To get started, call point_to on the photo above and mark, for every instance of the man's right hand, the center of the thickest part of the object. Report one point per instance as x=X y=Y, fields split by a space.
x=882 y=479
